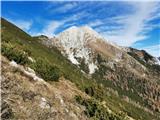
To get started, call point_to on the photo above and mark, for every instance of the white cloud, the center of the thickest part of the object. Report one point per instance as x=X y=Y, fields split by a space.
x=130 y=29
x=134 y=24
x=23 y=24
x=51 y=27
x=65 y=7
x=76 y=16
x=95 y=23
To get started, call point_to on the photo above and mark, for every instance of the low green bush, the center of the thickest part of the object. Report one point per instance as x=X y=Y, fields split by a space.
x=47 y=71
x=20 y=56
x=14 y=53
x=97 y=111
x=95 y=91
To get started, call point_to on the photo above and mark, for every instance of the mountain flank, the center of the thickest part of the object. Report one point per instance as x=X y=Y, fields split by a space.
x=75 y=75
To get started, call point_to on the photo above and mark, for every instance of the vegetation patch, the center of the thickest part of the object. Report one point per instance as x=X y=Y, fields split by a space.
x=46 y=70
x=14 y=53
x=98 y=111
x=43 y=68
x=97 y=91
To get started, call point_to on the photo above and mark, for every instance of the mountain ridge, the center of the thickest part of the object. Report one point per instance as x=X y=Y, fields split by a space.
x=114 y=58
x=79 y=43
x=119 y=85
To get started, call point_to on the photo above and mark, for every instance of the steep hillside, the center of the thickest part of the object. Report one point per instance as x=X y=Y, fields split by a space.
x=26 y=98
x=105 y=99
x=131 y=72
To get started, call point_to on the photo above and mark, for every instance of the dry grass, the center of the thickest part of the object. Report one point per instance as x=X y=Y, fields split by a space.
x=30 y=99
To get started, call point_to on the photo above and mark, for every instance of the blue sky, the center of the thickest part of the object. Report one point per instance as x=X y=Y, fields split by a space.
x=135 y=24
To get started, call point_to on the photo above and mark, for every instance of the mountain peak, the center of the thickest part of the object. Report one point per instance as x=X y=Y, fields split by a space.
x=72 y=28
x=91 y=31
x=74 y=42
x=77 y=34
x=76 y=31
x=87 y=28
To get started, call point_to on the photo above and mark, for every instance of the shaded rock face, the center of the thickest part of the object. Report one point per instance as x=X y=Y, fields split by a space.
x=142 y=55
x=25 y=98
